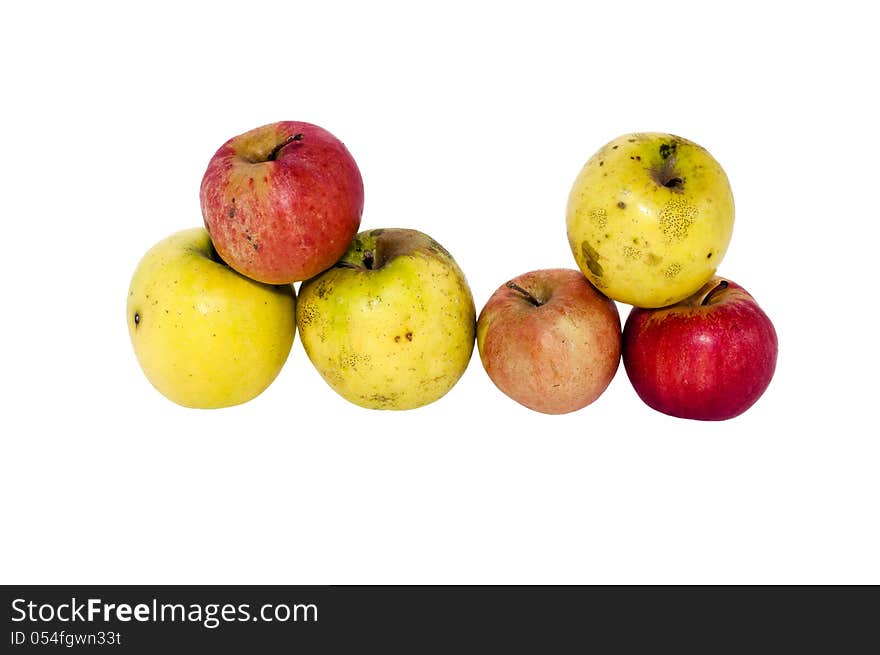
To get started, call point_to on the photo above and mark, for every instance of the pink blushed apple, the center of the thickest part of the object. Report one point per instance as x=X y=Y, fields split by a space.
x=550 y=340
x=282 y=202
x=708 y=357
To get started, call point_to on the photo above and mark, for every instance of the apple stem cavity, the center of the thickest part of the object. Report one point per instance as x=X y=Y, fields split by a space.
x=721 y=286
x=666 y=175
x=277 y=149
x=525 y=294
x=368 y=262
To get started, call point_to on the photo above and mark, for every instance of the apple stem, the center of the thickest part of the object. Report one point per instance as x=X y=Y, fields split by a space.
x=525 y=294
x=274 y=154
x=721 y=286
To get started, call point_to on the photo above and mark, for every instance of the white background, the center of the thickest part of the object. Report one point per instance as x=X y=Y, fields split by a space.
x=469 y=122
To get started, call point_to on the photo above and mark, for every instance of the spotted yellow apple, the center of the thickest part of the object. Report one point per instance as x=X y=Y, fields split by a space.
x=392 y=324
x=649 y=218
x=204 y=335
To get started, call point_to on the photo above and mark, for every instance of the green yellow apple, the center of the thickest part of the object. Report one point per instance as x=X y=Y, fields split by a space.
x=649 y=218
x=392 y=324
x=204 y=335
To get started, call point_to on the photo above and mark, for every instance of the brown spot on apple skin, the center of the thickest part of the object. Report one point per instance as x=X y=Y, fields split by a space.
x=672 y=270
x=308 y=314
x=675 y=219
x=599 y=217
x=409 y=336
x=667 y=149
x=381 y=399
x=321 y=291
x=353 y=360
x=629 y=252
x=591 y=257
x=250 y=239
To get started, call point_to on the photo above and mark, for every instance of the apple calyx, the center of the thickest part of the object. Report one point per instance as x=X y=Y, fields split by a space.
x=272 y=156
x=525 y=294
x=721 y=286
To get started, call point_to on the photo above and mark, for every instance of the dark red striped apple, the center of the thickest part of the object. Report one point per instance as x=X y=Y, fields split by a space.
x=709 y=357
x=282 y=202
x=550 y=340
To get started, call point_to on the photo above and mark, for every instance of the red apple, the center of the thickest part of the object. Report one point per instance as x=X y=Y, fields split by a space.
x=709 y=357
x=282 y=202
x=550 y=340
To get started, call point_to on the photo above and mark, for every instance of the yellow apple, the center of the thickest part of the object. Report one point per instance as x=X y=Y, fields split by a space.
x=392 y=325
x=206 y=336
x=649 y=218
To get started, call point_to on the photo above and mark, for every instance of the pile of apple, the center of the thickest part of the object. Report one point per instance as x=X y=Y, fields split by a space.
x=386 y=315
x=649 y=219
